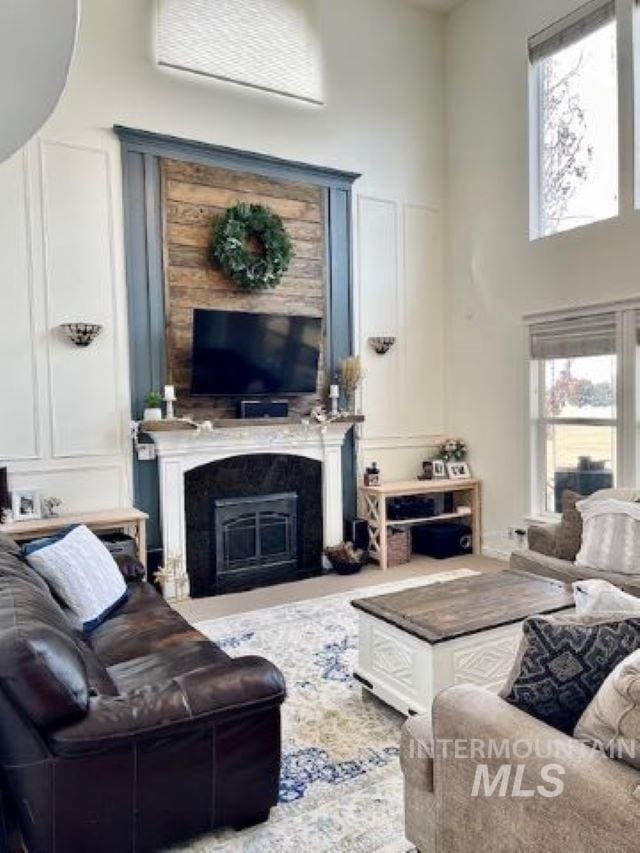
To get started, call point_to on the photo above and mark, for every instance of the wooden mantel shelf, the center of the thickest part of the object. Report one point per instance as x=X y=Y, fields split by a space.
x=178 y=425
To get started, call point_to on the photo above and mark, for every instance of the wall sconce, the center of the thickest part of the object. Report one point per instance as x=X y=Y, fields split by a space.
x=81 y=334
x=382 y=345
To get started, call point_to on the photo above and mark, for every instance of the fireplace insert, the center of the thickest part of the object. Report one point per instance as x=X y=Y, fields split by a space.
x=256 y=540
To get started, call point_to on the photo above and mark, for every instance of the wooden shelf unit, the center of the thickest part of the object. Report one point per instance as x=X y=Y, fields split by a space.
x=127 y=519
x=466 y=496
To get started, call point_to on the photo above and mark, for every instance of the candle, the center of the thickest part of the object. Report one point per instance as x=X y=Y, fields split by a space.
x=334 y=394
x=169 y=394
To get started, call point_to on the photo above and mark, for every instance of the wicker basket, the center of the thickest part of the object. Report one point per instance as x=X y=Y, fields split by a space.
x=398 y=546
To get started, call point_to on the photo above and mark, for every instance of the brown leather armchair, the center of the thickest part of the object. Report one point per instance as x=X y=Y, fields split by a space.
x=139 y=735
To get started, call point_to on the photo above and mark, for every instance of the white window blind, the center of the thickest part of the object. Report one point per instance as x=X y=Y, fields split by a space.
x=271 y=45
x=575 y=337
x=571 y=29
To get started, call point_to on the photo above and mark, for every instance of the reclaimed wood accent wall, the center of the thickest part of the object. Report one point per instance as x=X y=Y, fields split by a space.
x=193 y=197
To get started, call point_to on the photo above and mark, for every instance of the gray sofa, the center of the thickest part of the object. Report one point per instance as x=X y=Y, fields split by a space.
x=599 y=806
x=539 y=557
x=597 y=810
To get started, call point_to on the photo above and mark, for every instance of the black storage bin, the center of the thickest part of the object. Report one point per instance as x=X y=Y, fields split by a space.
x=442 y=540
x=119 y=543
x=414 y=507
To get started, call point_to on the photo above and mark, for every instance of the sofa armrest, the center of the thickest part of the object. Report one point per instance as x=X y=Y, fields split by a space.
x=550 y=792
x=205 y=696
x=542 y=538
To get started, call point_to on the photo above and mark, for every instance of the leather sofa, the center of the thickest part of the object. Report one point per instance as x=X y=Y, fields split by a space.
x=139 y=735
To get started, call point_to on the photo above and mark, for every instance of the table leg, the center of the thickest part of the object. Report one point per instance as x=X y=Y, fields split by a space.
x=142 y=542
x=382 y=515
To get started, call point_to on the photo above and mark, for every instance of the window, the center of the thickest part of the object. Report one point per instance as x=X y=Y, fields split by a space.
x=584 y=424
x=271 y=45
x=574 y=121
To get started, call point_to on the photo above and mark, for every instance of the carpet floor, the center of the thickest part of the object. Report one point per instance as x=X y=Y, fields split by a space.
x=341 y=786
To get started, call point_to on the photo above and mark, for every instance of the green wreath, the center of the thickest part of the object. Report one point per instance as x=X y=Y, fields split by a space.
x=231 y=251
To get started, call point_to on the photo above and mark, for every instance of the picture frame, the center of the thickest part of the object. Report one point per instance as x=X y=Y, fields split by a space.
x=458 y=471
x=439 y=469
x=26 y=504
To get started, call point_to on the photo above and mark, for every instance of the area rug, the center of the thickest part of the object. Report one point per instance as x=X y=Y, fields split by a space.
x=341 y=786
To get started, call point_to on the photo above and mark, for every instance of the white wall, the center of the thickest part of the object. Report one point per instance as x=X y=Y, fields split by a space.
x=494 y=273
x=65 y=411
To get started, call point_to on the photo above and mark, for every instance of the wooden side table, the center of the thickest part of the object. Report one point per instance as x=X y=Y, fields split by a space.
x=127 y=520
x=466 y=507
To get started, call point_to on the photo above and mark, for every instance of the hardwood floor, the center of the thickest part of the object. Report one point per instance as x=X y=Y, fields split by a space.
x=199 y=609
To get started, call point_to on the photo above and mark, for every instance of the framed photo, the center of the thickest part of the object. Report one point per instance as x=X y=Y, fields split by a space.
x=26 y=505
x=439 y=469
x=458 y=471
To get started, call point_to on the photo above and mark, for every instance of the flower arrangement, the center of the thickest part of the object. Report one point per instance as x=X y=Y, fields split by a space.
x=351 y=375
x=453 y=450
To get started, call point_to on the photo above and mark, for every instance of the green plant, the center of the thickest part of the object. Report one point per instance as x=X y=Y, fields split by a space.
x=251 y=245
x=153 y=400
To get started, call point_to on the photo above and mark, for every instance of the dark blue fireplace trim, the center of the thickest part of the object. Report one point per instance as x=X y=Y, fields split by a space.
x=141 y=152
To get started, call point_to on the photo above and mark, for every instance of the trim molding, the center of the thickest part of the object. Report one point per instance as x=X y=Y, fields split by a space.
x=177 y=148
x=56 y=451
x=401 y=442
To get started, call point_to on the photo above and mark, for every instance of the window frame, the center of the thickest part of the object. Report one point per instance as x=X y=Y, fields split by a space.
x=626 y=421
x=535 y=129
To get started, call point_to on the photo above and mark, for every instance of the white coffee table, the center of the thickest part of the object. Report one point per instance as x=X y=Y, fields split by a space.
x=416 y=642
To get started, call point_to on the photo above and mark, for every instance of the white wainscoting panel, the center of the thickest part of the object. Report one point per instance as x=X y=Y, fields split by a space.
x=79 y=262
x=423 y=334
x=400 y=293
x=18 y=374
x=81 y=488
x=380 y=286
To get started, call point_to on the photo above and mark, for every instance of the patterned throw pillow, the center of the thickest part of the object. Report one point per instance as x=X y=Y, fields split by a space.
x=562 y=663
x=612 y=720
x=81 y=572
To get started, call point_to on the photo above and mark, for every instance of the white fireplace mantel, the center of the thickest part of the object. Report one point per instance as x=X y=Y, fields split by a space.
x=179 y=451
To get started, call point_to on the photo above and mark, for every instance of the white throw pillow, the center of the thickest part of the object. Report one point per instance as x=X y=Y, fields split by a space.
x=610 y=536
x=81 y=572
x=599 y=597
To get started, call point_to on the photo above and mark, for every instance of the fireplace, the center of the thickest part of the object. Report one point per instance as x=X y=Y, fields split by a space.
x=247 y=460
x=253 y=520
x=256 y=540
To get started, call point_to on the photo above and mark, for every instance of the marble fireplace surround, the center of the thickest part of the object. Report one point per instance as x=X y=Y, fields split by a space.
x=179 y=451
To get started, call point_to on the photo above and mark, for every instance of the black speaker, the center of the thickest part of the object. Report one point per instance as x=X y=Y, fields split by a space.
x=356 y=530
x=263 y=409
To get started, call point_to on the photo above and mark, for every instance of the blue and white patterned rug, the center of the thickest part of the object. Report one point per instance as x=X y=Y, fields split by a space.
x=341 y=786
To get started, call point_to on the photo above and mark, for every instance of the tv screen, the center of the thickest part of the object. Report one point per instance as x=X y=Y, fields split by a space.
x=238 y=355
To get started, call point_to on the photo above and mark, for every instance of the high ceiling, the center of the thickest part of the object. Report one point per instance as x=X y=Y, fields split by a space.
x=437 y=5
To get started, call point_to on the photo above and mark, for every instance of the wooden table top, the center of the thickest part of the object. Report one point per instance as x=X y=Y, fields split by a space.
x=419 y=487
x=444 y=611
x=100 y=518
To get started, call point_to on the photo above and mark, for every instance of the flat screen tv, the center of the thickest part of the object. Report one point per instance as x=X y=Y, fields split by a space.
x=236 y=354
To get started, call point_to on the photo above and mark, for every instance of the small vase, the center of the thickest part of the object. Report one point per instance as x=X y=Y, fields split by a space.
x=152 y=414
